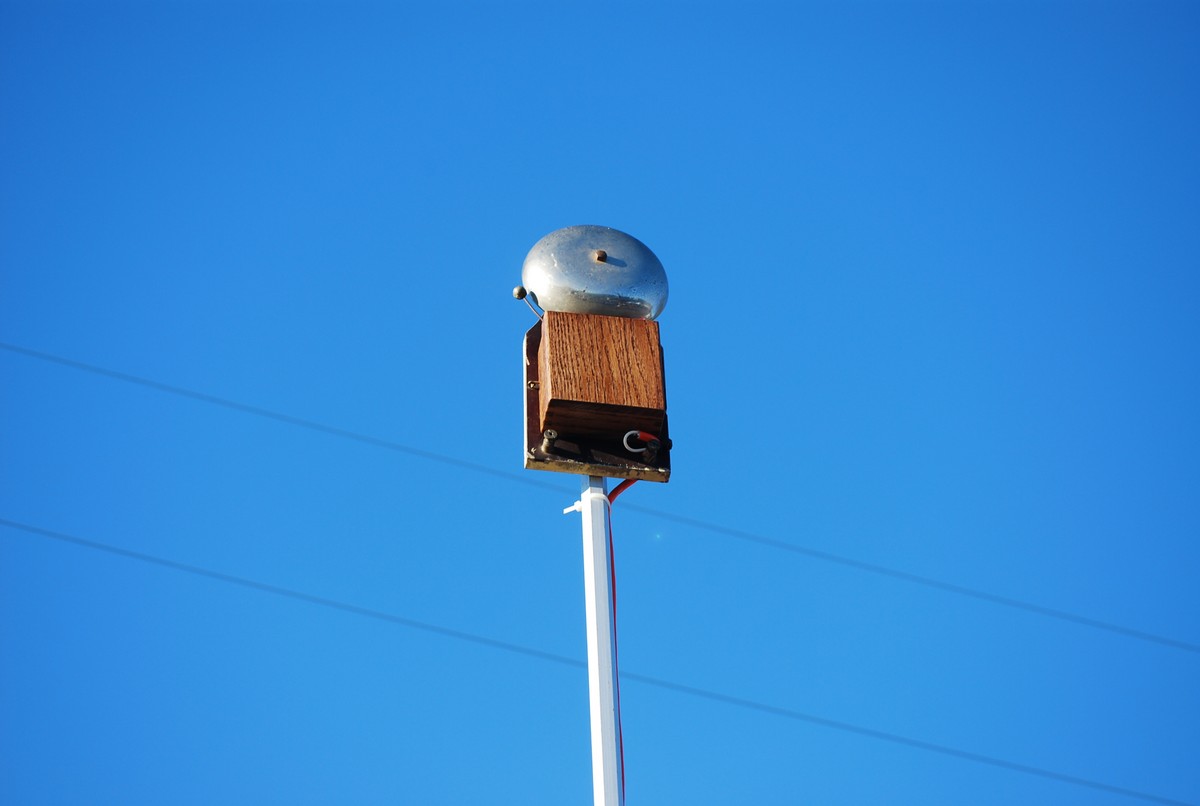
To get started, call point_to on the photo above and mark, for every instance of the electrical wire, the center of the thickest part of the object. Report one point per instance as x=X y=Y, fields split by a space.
x=562 y=660
x=611 y=499
x=917 y=579
x=525 y=479
x=612 y=571
x=612 y=575
x=620 y=488
x=288 y=419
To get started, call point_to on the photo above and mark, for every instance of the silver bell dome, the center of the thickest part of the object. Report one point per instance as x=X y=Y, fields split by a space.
x=592 y=269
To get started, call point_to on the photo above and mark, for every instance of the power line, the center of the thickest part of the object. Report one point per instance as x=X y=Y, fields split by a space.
x=563 y=660
x=917 y=579
x=715 y=528
x=299 y=422
x=895 y=738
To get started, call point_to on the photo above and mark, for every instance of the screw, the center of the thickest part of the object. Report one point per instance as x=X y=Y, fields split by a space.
x=651 y=451
x=601 y=255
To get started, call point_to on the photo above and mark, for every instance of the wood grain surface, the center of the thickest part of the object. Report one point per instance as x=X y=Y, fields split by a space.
x=600 y=374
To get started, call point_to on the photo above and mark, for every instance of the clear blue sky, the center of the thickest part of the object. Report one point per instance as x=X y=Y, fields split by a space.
x=934 y=312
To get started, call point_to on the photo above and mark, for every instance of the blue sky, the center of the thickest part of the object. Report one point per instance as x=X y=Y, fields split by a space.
x=931 y=355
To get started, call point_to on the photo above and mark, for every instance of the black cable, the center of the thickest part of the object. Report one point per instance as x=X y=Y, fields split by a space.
x=257 y=411
x=563 y=660
x=816 y=554
x=917 y=579
x=276 y=590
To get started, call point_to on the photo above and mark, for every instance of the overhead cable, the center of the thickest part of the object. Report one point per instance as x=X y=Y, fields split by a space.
x=563 y=660
x=715 y=528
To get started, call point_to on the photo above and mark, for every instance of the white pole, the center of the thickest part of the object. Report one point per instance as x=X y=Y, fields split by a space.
x=607 y=765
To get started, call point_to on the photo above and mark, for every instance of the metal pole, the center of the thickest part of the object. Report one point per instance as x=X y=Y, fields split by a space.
x=607 y=764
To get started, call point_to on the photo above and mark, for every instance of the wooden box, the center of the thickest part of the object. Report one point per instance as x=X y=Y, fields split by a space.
x=600 y=375
x=589 y=381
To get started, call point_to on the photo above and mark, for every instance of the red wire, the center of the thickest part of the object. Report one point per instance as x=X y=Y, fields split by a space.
x=620 y=488
x=612 y=572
